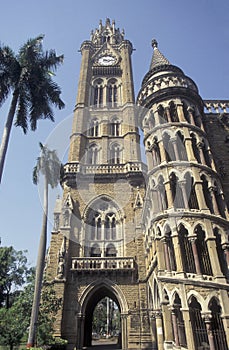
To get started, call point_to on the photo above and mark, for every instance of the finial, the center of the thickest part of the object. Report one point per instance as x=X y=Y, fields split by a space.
x=154 y=43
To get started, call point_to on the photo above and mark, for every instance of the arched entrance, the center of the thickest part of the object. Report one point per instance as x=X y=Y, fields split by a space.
x=90 y=298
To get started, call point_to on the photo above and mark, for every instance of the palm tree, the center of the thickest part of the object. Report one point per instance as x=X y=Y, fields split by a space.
x=50 y=167
x=28 y=76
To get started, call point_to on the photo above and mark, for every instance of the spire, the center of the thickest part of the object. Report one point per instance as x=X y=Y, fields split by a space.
x=158 y=58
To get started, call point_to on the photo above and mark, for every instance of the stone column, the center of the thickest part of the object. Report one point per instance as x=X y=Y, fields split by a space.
x=175 y=148
x=160 y=255
x=166 y=253
x=180 y=112
x=124 y=331
x=214 y=202
x=188 y=329
x=195 y=255
x=162 y=150
x=169 y=194
x=167 y=111
x=200 y=196
x=175 y=327
x=184 y=193
x=189 y=149
x=177 y=251
x=225 y=248
x=168 y=334
x=191 y=115
x=200 y=146
x=211 y=245
x=160 y=336
x=207 y=320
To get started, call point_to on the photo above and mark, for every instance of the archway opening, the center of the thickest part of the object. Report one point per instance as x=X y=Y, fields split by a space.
x=102 y=324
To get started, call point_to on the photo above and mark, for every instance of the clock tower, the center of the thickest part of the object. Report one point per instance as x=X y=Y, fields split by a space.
x=96 y=248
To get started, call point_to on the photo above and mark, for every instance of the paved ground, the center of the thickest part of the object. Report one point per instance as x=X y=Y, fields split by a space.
x=103 y=345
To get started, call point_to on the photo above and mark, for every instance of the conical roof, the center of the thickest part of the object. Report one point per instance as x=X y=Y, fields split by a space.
x=158 y=58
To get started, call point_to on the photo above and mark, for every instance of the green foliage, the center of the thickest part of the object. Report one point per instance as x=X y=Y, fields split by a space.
x=14 y=272
x=49 y=165
x=15 y=319
x=29 y=75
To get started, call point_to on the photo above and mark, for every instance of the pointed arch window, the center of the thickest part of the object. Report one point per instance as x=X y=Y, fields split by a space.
x=93 y=154
x=94 y=128
x=162 y=114
x=168 y=147
x=198 y=324
x=98 y=93
x=110 y=226
x=173 y=112
x=179 y=333
x=116 y=154
x=181 y=149
x=202 y=250
x=162 y=197
x=207 y=195
x=217 y=328
x=190 y=192
x=115 y=127
x=170 y=250
x=220 y=252
x=177 y=195
x=195 y=148
x=186 y=250
x=112 y=93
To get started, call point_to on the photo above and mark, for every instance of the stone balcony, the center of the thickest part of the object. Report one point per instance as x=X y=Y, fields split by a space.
x=104 y=168
x=98 y=264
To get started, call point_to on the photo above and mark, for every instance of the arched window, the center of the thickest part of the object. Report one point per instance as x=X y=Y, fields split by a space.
x=162 y=197
x=115 y=127
x=168 y=147
x=206 y=192
x=219 y=200
x=95 y=251
x=179 y=334
x=111 y=250
x=94 y=128
x=162 y=115
x=110 y=226
x=220 y=252
x=177 y=195
x=173 y=112
x=190 y=192
x=156 y=153
x=181 y=146
x=205 y=149
x=116 y=153
x=185 y=111
x=198 y=324
x=98 y=93
x=202 y=250
x=170 y=247
x=112 y=93
x=93 y=154
x=195 y=148
x=217 y=328
x=186 y=250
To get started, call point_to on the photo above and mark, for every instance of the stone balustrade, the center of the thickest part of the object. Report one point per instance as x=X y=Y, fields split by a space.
x=98 y=263
x=104 y=168
x=216 y=106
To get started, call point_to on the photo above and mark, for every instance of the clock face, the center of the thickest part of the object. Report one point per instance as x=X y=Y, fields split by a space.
x=107 y=60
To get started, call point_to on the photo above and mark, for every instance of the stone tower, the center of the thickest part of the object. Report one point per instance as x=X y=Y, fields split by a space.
x=185 y=217
x=96 y=248
x=153 y=238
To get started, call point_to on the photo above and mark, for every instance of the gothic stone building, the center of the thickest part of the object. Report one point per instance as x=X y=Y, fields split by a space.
x=153 y=238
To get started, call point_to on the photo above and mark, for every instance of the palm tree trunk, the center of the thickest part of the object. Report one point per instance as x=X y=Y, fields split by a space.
x=6 y=132
x=39 y=271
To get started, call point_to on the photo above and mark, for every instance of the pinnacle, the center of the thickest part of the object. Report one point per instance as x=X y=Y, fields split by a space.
x=158 y=58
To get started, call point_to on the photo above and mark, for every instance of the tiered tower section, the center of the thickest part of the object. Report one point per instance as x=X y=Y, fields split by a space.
x=184 y=215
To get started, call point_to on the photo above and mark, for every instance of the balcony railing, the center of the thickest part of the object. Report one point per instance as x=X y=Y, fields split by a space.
x=135 y=167
x=98 y=264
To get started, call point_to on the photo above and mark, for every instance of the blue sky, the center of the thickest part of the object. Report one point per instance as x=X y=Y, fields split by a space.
x=193 y=35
